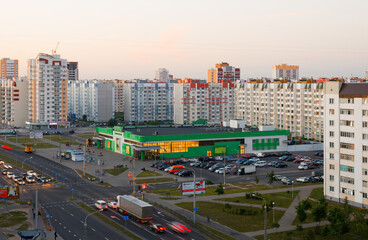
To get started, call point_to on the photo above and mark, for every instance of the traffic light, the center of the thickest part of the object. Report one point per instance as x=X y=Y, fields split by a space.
x=144 y=186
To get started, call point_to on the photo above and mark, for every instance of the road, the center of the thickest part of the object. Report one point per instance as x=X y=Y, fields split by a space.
x=68 y=219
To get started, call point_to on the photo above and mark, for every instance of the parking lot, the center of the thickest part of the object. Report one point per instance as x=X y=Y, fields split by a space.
x=291 y=171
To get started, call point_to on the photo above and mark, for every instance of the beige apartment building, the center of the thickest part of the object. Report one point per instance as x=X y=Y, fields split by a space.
x=297 y=107
x=346 y=143
x=47 y=90
x=8 y=68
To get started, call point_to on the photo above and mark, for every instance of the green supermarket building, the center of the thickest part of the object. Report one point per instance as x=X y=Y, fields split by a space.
x=165 y=142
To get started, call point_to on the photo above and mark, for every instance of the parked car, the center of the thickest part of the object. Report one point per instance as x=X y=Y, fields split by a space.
x=195 y=164
x=185 y=173
x=219 y=158
x=278 y=177
x=317 y=173
x=31 y=173
x=254 y=159
x=260 y=163
x=280 y=165
x=158 y=228
x=261 y=155
x=286 y=181
x=101 y=204
x=272 y=163
x=283 y=157
x=303 y=179
x=318 y=178
x=289 y=159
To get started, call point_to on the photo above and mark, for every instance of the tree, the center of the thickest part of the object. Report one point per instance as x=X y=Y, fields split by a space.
x=358 y=222
x=271 y=177
x=112 y=122
x=256 y=179
x=220 y=189
x=339 y=221
x=84 y=118
x=300 y=210
x=319 y=212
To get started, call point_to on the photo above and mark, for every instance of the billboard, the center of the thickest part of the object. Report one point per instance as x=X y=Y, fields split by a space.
x=11 y=192
x=220 y=150
x=36 y=135
x=187 y=188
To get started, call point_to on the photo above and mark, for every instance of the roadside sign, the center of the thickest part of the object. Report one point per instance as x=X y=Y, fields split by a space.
x=31 y=135
x=63 y=177
x=84 y=167
x=195 y=209
x=4 y=192
x=187 y=188
x=47 y=216
x=56 y=174
x=125 y=217
x=72 y=189
x=38 y=135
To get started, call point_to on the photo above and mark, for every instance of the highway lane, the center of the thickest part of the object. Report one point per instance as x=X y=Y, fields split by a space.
x=54 y=200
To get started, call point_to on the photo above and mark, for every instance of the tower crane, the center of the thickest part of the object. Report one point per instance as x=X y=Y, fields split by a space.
x=54 y=50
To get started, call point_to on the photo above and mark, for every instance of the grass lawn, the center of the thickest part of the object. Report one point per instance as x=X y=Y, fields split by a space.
x=62 y=140
x=115 y=171
x=32 y=142
x=253 y=187
x=148 y=174
x=228 y=217
x=220 y=234
x=86 y=136
x=15 y=218
x=308 y=233
x=281 y=199
x=170 y=198
x=154 y=180
x=316 y=193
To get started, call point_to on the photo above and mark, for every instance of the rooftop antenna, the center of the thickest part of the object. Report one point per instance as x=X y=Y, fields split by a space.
x=54 y=50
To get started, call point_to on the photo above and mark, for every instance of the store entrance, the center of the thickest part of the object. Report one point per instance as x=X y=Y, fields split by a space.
x=151 y=155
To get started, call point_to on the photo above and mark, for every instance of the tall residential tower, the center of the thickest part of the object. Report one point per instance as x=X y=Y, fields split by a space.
x=8 y=68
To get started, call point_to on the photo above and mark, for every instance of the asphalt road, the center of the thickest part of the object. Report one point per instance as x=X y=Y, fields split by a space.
x=68 y=219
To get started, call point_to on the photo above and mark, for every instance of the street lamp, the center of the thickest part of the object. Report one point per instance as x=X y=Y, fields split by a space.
x=292 y=193
x=85 y=224
x=194 y=195
x=265 y=215
x=26 y=161
x=224 y=167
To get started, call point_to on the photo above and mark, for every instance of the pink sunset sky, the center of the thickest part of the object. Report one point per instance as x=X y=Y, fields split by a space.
x=131 y=39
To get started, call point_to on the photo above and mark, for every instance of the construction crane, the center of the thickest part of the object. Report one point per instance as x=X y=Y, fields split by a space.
x=54 y=50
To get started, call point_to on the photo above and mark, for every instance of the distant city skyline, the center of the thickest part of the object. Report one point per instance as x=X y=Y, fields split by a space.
x=127 y=40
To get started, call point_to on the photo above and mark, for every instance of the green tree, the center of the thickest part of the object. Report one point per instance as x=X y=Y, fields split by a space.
x=300 y=213
x=319 y=212
x=339 y=221
x=256 y=179
x=271 y=177
x=112 y=122
x=358 y=222
x=84 y=118
x=220 y=189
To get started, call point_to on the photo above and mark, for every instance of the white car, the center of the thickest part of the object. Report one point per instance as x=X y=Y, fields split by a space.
x=10 y=175
x=221 y=170
x=254 y=159
x=303 y=179
x=218 y=170
x=30 y=179
x=112 y=204
x=260 y=155
x=219 y=158
x=1 y=162
x=195 y=164
x=279 y=177
x=101 y=204
x=7 y=166
x=260 y=164
x=303 y=167
x=31 y=173
x=168 y=169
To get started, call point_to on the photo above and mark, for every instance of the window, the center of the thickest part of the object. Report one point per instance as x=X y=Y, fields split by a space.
x=332 y=189
x=365 y=159
x=347 y=168
x=365 y=172
x=331 y=122
x=347 y=157
x=347 y=134
x=347 y=191
x=332 y=178
x=365 y=148
x=332 y=133
x=332 y=156
x=347 y=180
x=365 y=124
x=365 y=112
x=332 y=166
x=331 y=101
x=365 y=183
x=347 y=100
x=332 y=111
x=347 y=111
x=365 y=195
x=365 y=136
x=347 y=146
x=347 y=123
x=332 y=144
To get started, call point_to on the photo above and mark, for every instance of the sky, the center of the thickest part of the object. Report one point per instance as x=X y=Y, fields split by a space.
x=131 y=39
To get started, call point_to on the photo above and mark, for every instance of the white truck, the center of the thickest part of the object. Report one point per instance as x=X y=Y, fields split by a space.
x=135 y=208
x=248 y=169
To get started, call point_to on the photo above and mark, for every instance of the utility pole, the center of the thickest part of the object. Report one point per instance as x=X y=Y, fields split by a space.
x=194 y=196
x=36 y=210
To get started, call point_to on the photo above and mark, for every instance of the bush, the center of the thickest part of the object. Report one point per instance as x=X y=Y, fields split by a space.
x=220 y=189
x=227 y=206
x=299 y=228
x=209 y=182
x=325 y=231
x=275 y=225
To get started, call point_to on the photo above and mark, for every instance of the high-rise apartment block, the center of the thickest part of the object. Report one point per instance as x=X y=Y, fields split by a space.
x=93 y=98
x=223 y=73
x=346 y=142
x=297 y=107
x=211 y=101
x=73 y=72
x=14 y=101
x=119 y=95
x=284 y=71
x=8 y=68
x=162 y=75
x=144 y=102
x=47 y=90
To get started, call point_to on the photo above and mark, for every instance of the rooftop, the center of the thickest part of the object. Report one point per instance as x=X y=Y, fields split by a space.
x=150 y=131
x=354 y=90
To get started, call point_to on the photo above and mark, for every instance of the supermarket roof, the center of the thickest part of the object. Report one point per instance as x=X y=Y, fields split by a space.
x=148 y=131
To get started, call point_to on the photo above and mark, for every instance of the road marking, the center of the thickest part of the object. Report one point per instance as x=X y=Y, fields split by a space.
x=106 y=238
x=75 y=235
x=64 y=227
x=93 y=229
x=82 y=221
x=59 y=223
x=72 y=215
x=69 y=231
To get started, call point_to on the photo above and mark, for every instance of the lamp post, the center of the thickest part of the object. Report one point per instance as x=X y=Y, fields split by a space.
x=224 y=167
x=26 y=161
x=265 y=216
x=85 y=224
x=292 y=193
x=194 y=195
x=273 y=212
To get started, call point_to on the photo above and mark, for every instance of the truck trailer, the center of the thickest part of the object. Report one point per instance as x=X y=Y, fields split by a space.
x=248 y=169
x=137 y=209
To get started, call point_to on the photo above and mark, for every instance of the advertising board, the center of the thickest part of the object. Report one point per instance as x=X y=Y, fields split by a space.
x=187 y=188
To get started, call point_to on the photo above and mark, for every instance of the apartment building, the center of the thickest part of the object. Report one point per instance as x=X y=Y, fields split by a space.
x=119 y=95
x=93 y=98
x=222 y=73
x=47 y=89
x=144 y=102
x=346 y=142
x=73 y=71
x=162 y=75
x=9 y=68
x=297 y=107
x=211 y=101
x=284 y=71
x=14 y=101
